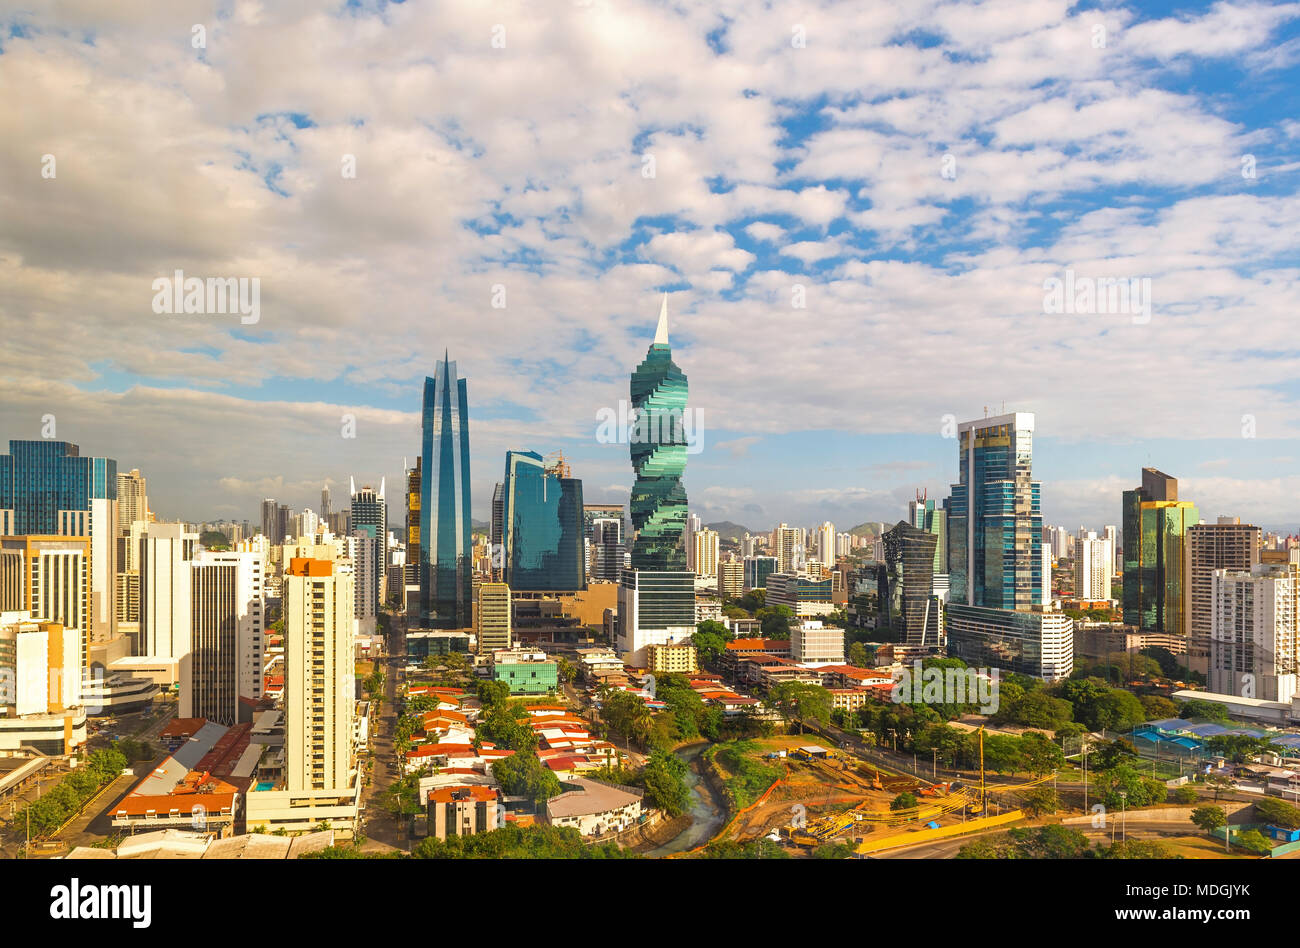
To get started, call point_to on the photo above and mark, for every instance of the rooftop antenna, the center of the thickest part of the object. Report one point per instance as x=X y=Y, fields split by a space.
x=986 y=411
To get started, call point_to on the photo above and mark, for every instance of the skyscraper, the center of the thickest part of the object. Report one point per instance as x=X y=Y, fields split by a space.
x=929 y=515
x=1155 y=548
x=225 y=637
x=318 y=682
x=826 y=544
x=132 y=501
x=705 y=544
x=542 y=523
x=167 y=552
x=47 y=488
x=1093 y=561
x=494 y=619
x=905 y=586
x=49 y=577
x=657 y=594
x=995 y=527
x=325 y=509
x=996 y=613
x=370 y=516
x=1210 y=547
x=446 y=547
x=1253 y=635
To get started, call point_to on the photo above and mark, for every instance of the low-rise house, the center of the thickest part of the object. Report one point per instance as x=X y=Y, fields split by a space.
x=595 y=808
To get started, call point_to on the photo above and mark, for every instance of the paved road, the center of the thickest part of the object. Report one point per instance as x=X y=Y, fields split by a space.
x=380 y=829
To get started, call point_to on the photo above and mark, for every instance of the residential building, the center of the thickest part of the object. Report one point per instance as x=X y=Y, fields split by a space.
x=731 y=578
x=494 y=618
x=464 y=810
x=370 y=517
x=1039 y=644
x=527 y=672
x=1228 y=544
x=595 y=808
x=49 y=577
x=1093 y=563
x=227 y=628
x=705 y=543
x=671 y=659
x=41 y=702
x=167 y=552
x=1253 y=638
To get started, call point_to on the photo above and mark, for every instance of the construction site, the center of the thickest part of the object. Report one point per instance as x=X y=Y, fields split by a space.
x=830 y=795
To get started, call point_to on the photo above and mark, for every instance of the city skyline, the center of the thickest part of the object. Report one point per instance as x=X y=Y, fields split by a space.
x=824 y=177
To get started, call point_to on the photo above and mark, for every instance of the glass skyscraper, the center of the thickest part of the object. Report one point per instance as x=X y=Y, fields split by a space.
x=446 y=567
x=995 y=523
x=905 y=585
x=656 y=603
x=1155 y=554
x=930 y=516
x=658 y=449
x=38 y=479
x=370 y=516
x=541 y=517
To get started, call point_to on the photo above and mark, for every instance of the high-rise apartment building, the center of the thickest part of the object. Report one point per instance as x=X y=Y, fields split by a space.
x=446 y=546
x=1155 y=550
x=132 y=502
x=731 y=578
x=494 y=618
x=826 y=544
x=48 y=577
x=1253 y=634
x=542 y=523
x=787 y=548
x=319 y=694
x=705 y=544
x=167 y=552
x=657 y=594
x=606 y=549
x=1228 y=544
x=1093 y=561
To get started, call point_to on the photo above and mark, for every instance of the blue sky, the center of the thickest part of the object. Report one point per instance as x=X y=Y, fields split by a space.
x=914 y=172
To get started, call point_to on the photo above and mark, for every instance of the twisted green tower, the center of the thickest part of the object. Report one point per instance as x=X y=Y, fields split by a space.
x=658 y=446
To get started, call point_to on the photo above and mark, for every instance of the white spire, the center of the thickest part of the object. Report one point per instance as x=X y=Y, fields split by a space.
x=352 y=486
x=661 y=334
x=381 y=488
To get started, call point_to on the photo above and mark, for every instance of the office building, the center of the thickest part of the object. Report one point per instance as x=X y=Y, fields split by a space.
x=227 y=634
x=657 y=594
x=48 y=489
x=326 y=508
x=446 y=547
x=905 y=587
x=929 y=515
x=1093 y=560
x=411 y=571
x=497 y=530
x=605 y=544
x=370 y=516
x=812 y=643
x=804 y=595
x=757 y=570
x=1038 y=644
x=1155 y=524
x=494 y=618
x=132 y=507
x=994 y=522
x=1228 y=544
x=41 y=703
x=1254 y=624
x=525 y=671
x=543 y=526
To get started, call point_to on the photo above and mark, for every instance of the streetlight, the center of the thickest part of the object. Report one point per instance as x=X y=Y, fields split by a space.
x=1123 y=801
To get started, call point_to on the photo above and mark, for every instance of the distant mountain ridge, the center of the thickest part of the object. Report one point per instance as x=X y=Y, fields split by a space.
x=729 y=531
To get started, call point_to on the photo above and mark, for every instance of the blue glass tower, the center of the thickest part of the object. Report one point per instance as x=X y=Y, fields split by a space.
x=542 y=527
x=995 y=523
x=446 y=569
x=40 y=478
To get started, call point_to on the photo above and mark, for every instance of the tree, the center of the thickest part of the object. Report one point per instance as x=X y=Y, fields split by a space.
x=1108 y=754
x=1041 y=756
x=1050 y=842
x=1253 y=841
x=1210 y=710
x=775 y=622
x=665 y=782
x=904 y=801
x=709 y=639
x=1137 y=849
x=1185 y=795
x=1041 y=800
x=522 y=774
x=565 y=669
x=1278 y=812
x=858 y=655
x=1209 y=818
x=802 y=702
x=1220 y=783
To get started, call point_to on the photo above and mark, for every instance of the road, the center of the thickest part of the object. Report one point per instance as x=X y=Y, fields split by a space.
x=381 y=830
